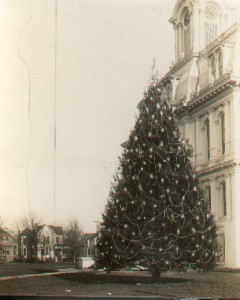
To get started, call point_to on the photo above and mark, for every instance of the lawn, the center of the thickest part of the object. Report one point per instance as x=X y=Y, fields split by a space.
x=122 y=283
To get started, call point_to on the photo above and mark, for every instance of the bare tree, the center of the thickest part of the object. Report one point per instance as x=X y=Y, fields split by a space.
x=73 y=236
x=29 y=225
x=1 y=222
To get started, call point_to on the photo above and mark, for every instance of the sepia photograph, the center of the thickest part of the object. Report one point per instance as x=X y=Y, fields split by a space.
x=119 y=149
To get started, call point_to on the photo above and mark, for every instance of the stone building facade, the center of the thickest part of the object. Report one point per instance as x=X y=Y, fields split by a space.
x=204 y=86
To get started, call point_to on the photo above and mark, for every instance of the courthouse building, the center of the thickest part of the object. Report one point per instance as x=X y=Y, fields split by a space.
x=204 y=86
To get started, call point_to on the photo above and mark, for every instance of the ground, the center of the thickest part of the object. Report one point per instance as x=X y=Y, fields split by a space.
x=125 y=283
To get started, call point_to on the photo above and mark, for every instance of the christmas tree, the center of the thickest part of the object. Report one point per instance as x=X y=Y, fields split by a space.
x=156 y=212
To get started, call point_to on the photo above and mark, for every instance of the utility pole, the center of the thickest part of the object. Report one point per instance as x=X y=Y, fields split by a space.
x=97 y=222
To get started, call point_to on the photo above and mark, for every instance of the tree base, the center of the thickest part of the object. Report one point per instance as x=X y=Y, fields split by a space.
x=156 y=274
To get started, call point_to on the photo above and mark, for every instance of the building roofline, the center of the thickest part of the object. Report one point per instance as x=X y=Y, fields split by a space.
x=218 y=168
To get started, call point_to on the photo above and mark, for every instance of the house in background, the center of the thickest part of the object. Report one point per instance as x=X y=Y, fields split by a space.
x=8 y=247
x=88 y=251
x=48 y=244
x=89 y=243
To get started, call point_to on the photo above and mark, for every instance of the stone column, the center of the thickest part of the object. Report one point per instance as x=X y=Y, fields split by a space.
x=235 y=124
x=195 y=32
x=227 y=118
x=236 y=212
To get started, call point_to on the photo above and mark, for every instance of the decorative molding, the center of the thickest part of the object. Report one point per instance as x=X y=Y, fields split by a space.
x=224 y=83
x=179 y=64
x=216 y=168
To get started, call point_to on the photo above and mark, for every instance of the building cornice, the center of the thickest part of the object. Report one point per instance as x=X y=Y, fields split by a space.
x=173 y=69
x=226 y=82
x=216 y=168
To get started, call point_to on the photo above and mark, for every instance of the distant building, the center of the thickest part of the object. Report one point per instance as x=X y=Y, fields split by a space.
x=88 y=251
x=204 y=86
x=8 y=247
x=49 y=244
x=88 y=247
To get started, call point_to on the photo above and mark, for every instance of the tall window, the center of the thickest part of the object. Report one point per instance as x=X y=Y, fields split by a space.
x=207 y=140
x=46 y=239
x=211 y=32
x=187 y=32
x=208 y=195
x=187 y=41
x=223 y=199
x=222 y=133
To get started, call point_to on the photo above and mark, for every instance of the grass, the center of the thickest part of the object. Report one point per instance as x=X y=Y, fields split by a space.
x=129 y=278
x=123 y=283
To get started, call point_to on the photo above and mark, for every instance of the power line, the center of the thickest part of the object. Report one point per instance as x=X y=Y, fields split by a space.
x=29 y=105
x=55 y=113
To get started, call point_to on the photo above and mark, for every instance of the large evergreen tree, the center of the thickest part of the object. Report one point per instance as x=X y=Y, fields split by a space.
x=156 y=212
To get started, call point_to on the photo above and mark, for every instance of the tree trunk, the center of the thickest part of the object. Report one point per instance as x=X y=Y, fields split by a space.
x=156 y=273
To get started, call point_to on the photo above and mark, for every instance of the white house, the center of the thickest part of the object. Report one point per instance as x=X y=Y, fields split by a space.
x=8 y=246
x=50 y=244
x=89 y=243
x=46 y=246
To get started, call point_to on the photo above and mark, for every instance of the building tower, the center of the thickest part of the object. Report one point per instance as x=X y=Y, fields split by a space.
x=204 y=86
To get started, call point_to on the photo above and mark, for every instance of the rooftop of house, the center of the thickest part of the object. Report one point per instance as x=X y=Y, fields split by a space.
x=3 y=232
x=57 y=229
x=88 y=236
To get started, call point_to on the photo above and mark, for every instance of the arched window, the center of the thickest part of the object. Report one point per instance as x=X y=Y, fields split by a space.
x=223 y=199
x=206 y=140
x=187 y=40
x=207 y=191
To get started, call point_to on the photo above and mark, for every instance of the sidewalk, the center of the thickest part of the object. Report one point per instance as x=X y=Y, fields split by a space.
x=57 y=272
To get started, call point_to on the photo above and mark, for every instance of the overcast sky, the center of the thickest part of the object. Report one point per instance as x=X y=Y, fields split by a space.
x=105 y=50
